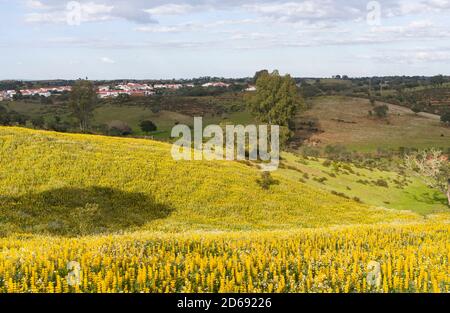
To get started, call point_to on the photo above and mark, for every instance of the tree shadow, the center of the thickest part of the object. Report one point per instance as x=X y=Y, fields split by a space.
x=79 y=211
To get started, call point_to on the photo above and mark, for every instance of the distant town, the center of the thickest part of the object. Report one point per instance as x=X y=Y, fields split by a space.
x=112 y=91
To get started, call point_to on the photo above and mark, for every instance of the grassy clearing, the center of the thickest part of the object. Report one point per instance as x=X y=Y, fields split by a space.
x=362 y=133
x=164 y=120
x=401 y=193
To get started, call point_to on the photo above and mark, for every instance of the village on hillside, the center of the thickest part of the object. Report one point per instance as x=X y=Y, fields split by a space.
x=108 y=91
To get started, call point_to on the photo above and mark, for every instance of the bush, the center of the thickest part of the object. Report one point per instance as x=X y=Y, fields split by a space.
x=147 y=126
x=118 y=128
x=38 y=122
x=381 y=110
x=382 y=183
x=445 y=118
x=266 y=181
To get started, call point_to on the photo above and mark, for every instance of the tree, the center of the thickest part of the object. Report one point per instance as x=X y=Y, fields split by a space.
x=123 y=98
x=445 y=118
x=276 y=100
x=417 y=107
x=259 y=74
x=381 y=110
x=82 y=101
x=4 y=116
x=16 y=118
x=437 y=80
x=266 y=180
x=38 y=122
x=147 y=126
x=118 y=128
x=432 y=167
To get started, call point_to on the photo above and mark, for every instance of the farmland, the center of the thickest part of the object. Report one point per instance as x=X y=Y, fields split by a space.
x=346 y=121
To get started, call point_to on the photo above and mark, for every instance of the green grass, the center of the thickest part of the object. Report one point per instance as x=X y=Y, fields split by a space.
x=414 y=196
x=164 y=120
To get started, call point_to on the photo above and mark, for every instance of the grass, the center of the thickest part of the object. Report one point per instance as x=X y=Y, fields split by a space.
x=361 y=183
x=362 y=133
x=80 y=184
x=164 y=120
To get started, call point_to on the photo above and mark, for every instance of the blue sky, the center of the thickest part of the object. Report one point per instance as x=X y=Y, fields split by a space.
x=112 y=39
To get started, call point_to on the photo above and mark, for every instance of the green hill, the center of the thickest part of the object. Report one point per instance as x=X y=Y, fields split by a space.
x=73 y=184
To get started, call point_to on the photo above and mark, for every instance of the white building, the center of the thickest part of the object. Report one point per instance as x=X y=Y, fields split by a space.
x=218 y=84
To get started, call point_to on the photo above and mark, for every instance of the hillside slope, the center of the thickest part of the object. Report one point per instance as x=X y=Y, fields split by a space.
x=346 y=121
x=73 y=184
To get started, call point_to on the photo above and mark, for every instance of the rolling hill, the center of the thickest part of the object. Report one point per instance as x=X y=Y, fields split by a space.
x=346 y=121
x=70 y=184
x=83 y=213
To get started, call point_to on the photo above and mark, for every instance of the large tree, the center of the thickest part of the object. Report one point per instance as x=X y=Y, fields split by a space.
x=433 y=167
x=276 y=100
x=82 y=101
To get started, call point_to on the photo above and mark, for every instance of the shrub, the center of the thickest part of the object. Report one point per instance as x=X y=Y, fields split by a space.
x=381 y=110
x=147 y=126
x=118 y=128
x=382 y=183
x=266 y=181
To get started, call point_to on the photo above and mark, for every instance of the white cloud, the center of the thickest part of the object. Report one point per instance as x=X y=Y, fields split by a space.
x=85 y=12
x=171 y=9
x=88 y=11
x=413 y=56
x=35 y=4
x=107 y=60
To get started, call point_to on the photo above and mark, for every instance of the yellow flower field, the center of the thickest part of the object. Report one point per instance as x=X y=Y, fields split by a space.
x=82 y=213
x=412 y=258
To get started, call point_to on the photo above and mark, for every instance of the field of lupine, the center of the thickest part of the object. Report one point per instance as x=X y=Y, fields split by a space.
x=83 y=213
x=411 y=258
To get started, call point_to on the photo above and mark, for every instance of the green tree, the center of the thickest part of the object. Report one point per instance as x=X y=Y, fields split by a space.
x=417 y=107
x=431 y=166
x=259 y=74
x=276 y=100
x=38 y=122
x=266 y=180
x=437 y=80
x=381 y=111
x=119 y=128
x=445 y=118
x=147 y=126
x=82 y=101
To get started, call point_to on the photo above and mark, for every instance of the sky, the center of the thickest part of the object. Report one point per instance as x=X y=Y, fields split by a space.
x=153 y=39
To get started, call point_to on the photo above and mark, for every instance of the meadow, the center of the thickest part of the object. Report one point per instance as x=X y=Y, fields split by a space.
x=346 y=121
x=134 y=220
